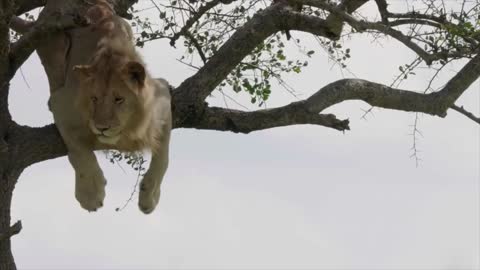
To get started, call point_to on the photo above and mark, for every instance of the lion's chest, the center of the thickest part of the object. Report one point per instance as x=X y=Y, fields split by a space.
x=121 y=144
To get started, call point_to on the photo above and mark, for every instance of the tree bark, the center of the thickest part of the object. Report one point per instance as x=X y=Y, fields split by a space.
x=7 y=184
x=8 y=178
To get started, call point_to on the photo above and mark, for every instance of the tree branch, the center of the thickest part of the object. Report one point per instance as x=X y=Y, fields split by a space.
x=466 y=113
x=24 y=47
x=296 y=113
x=361 y=25
x=197 y=46
x=23 y=6
x=308 y=111
x=387 y=97
x=192 y=20
x=122 y=7
x=13 y=230
x=20 y=25
x=335 y=22
x=50 y=145
x=6 y=13
x=459 y=83
x=375 y=94
x=382 y=9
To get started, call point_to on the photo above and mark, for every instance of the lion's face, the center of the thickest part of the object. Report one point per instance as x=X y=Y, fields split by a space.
x=111 y=98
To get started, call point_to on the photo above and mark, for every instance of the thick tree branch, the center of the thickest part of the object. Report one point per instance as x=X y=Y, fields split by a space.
x=296 y=113
x=24 y=47
x=460 y=82
x=375 y=94
x=382 y=9
x=20 y=25
x=23 y=6
x=48 y=147
x=387 y=97
x=312 y=24
x=6 y=13
x=308 y=111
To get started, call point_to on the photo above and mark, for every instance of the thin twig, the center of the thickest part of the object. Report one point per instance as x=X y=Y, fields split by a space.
x=193 y=19
x=466 y=113
x=414 y=148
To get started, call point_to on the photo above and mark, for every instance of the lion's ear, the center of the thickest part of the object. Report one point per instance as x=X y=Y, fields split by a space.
x=135 y=73
x=83 y=71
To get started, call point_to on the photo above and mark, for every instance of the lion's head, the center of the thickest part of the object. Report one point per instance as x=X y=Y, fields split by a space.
x=114 y=96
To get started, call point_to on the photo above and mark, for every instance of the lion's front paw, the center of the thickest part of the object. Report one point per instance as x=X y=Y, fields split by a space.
x=149 y=195
x=90 y=191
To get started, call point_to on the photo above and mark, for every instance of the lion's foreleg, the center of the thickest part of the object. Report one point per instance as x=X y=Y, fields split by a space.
x=89 y=179
x=150 y=186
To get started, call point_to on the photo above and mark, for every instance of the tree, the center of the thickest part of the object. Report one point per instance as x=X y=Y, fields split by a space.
x=241 y=45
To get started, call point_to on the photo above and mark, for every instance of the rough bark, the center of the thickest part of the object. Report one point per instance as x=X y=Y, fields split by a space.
x=7 y=184
x=9 y=173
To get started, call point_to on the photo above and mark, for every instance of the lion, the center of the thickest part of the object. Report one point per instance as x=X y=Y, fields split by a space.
x=108 y=100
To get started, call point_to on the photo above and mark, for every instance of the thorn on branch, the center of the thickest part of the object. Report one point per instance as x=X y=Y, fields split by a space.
x=13 y=230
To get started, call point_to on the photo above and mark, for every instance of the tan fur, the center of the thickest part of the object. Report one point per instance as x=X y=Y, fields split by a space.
x=111 y=102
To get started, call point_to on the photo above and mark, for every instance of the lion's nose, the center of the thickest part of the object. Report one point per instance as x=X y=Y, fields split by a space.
x=102 y=128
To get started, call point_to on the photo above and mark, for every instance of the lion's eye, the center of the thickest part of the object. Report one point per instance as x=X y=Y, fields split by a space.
x=94 y=99
x=119 y=100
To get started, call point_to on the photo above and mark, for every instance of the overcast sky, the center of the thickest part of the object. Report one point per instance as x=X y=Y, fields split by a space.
x=300 y=197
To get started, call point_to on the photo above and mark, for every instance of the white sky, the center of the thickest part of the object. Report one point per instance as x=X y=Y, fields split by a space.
x=300 y=197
